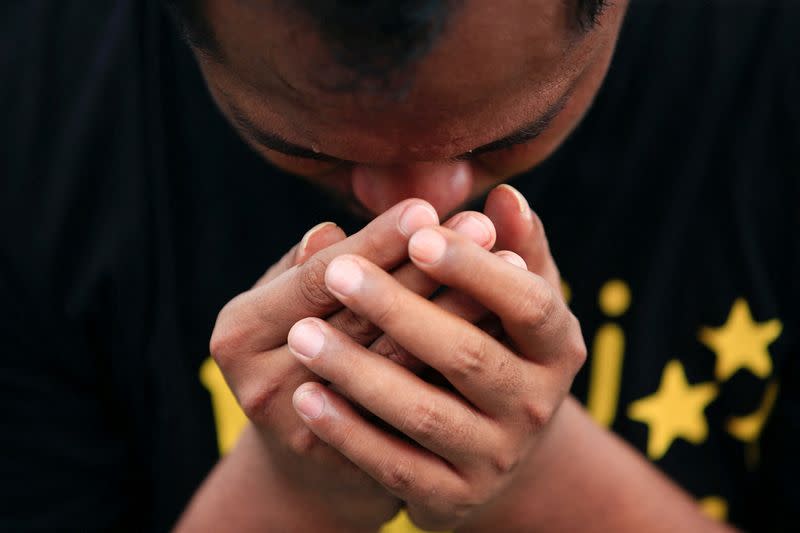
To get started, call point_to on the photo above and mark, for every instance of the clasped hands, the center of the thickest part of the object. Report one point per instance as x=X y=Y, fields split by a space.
x=355 y=313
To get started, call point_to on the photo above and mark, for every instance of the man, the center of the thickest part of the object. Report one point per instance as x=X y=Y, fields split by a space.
x=419 y=354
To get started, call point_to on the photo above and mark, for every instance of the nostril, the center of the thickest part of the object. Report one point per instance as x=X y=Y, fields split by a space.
x=459 y=176
x=445 y=185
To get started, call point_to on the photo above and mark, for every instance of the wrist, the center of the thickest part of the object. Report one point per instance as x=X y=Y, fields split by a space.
x=519 y=504
x=352 y=503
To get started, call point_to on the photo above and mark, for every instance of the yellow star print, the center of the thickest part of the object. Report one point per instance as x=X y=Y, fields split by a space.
x=675 y=410
x=741 y=342
x=747 y=428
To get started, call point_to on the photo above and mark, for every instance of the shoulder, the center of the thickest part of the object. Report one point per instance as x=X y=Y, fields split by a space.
x=719 y=67
x=71 y=137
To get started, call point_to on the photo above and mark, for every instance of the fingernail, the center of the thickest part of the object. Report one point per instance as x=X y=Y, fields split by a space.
x=514 y=259
x=310 y=404
x=344 y=276
x=310 y=233
x=306 y=339
x=522 y=203
x=474 y=228
x=417 y=216
x=427 y=246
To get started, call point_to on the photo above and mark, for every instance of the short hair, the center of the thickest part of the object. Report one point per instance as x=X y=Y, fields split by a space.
x=372 y=38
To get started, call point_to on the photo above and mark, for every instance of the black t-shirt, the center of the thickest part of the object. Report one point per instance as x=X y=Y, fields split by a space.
x=130 y=213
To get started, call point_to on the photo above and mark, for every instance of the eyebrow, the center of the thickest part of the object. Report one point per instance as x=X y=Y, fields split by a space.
x=526 y=133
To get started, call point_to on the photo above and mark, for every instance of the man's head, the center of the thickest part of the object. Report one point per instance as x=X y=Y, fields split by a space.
x=386 y=99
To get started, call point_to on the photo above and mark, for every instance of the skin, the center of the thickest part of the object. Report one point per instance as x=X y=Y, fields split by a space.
x=251 y=349
x=471 y=89
x=350 y=317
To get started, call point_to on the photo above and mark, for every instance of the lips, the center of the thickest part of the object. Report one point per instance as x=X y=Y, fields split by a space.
x=445 y=186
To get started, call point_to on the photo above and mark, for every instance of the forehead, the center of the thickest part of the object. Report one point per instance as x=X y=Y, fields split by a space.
x=496 y=65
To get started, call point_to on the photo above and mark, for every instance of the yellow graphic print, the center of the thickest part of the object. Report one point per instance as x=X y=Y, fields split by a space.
x=675 y=410
x=607 y=351
x=714 y=507
x=228 y=416
x=230 y=421
x=741 y=342
x=748 y=428
x=566 y=291
x=401 y=524
x=615 y=298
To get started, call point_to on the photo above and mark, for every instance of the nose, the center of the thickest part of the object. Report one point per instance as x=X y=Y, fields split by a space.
x=445 y=185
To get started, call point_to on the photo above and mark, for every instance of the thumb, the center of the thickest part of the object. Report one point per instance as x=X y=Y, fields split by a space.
x=317 y=238
x=520 y=230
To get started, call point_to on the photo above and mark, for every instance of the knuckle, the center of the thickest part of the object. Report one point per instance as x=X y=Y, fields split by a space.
x=227 y=340
x=469 y=357
x=387 y=309
x=504 y=461
x=580 y=354
x=389 y=348
x=311 y=284
x=355 y=326
x=385 y=346
x=506 y=375
x=461 y=510
x=579 y=350
x=374 y=246
x=423 y=421
x=445 y=506
x=343 y=438
x=537 y=305
x=259 y=404
x=223 y=345
x=398 y=476
x=302 y=442
x=463 y=502
x=537 y=414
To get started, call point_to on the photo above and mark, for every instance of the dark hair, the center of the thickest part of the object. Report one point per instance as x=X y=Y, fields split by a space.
x=372 y=38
